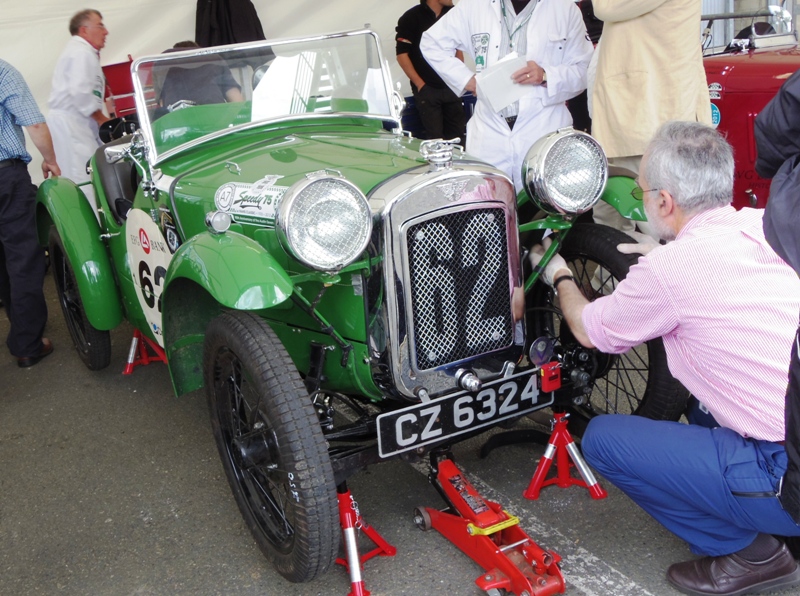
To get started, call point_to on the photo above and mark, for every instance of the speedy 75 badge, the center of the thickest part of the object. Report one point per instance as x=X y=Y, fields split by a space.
x=149 y=259
x=251 y=203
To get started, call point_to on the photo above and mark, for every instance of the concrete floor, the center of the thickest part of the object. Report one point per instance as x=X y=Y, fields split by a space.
x=111 y=485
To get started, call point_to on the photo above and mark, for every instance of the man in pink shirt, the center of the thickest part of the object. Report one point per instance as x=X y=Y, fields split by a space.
x=726 y=305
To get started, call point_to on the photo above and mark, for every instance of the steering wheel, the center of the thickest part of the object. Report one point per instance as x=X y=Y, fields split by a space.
x=116 y=128
x=181 y=104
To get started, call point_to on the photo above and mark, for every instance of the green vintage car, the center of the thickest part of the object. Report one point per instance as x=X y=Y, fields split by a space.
x=344 y=293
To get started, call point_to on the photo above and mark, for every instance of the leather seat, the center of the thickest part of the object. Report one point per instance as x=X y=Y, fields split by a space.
x=119 y=180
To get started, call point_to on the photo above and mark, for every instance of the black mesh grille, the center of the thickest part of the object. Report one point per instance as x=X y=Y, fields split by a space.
x=459 y=286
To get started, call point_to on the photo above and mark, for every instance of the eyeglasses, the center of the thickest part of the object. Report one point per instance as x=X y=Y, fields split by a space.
x=638 y=192
x=95 y=27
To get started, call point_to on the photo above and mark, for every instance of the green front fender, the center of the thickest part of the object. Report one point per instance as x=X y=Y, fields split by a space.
x=61 y=203
x=208 y=274
x=618 y=194
x=234 y=269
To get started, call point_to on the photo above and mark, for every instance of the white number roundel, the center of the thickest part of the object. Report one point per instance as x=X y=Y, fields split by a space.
x=149 y=259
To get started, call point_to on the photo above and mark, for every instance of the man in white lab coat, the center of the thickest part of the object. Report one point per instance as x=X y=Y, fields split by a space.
x=76 y=98
x=550 y=34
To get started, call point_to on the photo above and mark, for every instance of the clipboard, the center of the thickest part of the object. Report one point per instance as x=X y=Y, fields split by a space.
x=495 y=84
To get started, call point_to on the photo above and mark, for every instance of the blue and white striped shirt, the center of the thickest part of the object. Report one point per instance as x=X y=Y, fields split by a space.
x=17 y=109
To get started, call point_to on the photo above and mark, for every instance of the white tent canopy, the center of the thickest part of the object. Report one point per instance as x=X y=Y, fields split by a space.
x=35 y=32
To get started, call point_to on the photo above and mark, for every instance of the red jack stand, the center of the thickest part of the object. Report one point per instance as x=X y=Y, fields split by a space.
x=563 y=447
x=351 y=520
x=138 y=354
x=491 y=537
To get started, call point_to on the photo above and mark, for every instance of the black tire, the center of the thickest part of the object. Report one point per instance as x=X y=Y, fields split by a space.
x=92 y=344
x=271 y=445
x=637 y=382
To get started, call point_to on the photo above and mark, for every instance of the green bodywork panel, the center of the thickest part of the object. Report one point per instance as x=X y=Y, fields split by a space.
x=245 y=268
x=618 y=194
x=233 y=268
x=202 y=282
x=182 y=126
x=207 y=274
x=365 y=154
x=354 y=378
x=61 y=203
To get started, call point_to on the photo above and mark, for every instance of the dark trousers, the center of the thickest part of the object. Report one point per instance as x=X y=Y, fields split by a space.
x=21 y=262
x=441 y=112
x=710 y=486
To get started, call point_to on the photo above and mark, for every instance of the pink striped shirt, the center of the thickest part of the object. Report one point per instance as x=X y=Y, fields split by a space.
x=727 y=308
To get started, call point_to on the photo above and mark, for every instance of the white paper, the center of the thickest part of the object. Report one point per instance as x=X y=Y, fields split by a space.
x=495 y=84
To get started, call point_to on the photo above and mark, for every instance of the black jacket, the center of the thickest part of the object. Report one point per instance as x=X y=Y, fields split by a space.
x=778 y=144
x=220 y=22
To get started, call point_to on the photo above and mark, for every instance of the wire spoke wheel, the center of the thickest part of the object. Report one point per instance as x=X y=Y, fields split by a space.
x=264 y=484
x=635 y=382
x=93 y=345
x=271 y=445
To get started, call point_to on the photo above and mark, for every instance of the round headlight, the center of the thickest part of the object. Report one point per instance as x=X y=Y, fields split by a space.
x=325 y=222
x=565 y=171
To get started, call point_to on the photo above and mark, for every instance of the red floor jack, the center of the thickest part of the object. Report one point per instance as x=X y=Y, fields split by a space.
x=490 y=536
x=563 y=448
x=351 y=520
x=138 y=354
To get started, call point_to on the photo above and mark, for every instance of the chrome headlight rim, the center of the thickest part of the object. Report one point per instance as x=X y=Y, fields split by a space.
x=543 y=191
x=286 y=217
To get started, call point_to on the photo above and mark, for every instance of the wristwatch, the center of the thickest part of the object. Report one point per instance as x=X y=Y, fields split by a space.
x=544 y=78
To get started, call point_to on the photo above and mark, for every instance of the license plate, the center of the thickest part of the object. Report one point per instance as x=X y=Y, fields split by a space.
x=459 y=413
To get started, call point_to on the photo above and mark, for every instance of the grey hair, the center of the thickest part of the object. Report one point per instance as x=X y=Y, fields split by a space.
x=79 y=19
x=692 y=162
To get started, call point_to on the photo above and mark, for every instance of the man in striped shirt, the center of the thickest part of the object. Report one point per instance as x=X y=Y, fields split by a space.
x=726 y=306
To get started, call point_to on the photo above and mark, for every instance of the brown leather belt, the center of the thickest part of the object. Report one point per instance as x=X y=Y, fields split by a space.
x=780 y=443
x=8 y=162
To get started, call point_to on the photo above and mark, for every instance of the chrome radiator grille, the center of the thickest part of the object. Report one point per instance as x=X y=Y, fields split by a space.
x=461 y=304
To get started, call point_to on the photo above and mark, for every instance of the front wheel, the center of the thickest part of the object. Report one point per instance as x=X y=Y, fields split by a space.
x=271 y=444
x=93 y=345
x=636 y=382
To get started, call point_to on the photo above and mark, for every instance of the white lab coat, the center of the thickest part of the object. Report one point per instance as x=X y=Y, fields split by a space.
x=77 y=92
x=556 y=41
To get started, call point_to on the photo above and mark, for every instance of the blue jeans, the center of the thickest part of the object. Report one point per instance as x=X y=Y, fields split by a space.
x=709 y=486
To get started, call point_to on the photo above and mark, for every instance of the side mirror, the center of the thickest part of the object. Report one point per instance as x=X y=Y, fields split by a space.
x=116 y=153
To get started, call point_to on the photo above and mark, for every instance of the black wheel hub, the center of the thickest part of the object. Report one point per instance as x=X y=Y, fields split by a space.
x=255 y=448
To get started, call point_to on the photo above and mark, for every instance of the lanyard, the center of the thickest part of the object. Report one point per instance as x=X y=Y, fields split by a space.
x=511 y=33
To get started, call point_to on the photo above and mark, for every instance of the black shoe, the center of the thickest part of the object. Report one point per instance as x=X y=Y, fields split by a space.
x=46 y=350
x=731 y=575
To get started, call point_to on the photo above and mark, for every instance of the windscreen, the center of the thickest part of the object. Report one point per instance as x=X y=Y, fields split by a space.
x=184 y=96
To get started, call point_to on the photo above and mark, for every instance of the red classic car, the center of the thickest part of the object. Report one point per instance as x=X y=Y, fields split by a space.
x=748 y=56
